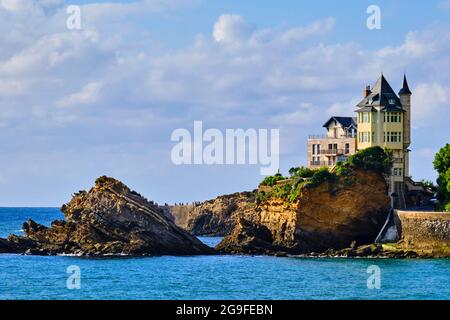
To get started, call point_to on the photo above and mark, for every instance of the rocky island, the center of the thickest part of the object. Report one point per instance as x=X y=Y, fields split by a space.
x=216 y=217
x=330 y=214
x=109 y=219
x=321 y=214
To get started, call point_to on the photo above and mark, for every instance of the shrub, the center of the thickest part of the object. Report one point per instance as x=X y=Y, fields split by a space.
x=320 y=176
x=282 y=192
x=427 y=184
x=270 y=181
x=442 y=165
x=343 y=168
x=373 y=158
x=301 y=172
x=262 y=197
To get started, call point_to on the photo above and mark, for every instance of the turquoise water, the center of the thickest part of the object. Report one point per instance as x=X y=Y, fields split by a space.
x=211 y=277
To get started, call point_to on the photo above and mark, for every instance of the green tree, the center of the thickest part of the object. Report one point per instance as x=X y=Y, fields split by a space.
x=427 y=184
x=301 y=172
x=442 y=165
x=373 y=158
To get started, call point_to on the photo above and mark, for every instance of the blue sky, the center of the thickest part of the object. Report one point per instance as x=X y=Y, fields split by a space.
x=75 y=105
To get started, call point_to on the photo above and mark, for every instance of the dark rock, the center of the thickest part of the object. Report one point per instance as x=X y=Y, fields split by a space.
x=318 y=219
x=248 y=238
x=109 y=219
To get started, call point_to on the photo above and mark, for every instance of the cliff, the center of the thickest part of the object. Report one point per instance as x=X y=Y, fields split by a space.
x=215 y=217
x=108 y=219
x=331 y=214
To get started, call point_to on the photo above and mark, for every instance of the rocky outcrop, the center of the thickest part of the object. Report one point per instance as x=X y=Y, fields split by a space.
x=110 y=219
x=215 y=217
x=330 y=215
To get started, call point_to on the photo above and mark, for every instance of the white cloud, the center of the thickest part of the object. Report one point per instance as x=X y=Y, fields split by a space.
x=61 y=86
x=231 y=28
x=429 y=100
x=88 y=94
x=303 y=115
x=16 y=5
x=302 y=33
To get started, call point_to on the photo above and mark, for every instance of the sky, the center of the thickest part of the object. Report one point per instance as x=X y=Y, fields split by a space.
x=105 y=99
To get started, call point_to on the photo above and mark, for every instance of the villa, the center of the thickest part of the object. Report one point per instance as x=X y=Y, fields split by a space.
x=383 y=119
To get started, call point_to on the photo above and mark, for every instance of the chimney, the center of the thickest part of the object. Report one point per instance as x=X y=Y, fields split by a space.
x=367 y=91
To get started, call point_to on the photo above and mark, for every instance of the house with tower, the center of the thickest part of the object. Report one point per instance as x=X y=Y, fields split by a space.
x=383 y=119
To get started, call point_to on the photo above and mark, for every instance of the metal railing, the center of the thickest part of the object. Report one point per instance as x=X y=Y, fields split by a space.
x=332 y=151
x=324 y=136
x=323 y=163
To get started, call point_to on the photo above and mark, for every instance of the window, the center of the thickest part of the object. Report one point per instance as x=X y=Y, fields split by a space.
x=347 y=148
x=391 y=101
x=365 y=117
x=318 y=149
x=364 y=137
x=313 y=149
x=394 y=117
x=398 y=172
x=393 y=136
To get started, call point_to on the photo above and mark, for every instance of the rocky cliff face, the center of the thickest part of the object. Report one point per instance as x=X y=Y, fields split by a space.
x=329 y=215
x=213 y=217
x=109 y=219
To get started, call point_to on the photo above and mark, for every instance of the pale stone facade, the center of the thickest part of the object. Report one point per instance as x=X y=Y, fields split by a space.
x=383 y=119
x=335 y=146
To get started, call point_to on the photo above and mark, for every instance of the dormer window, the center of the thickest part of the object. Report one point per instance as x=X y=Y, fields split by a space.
x=391 y=101
x=370 y=101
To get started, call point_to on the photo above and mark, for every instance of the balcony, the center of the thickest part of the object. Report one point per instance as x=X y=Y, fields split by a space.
x=322 y=163
x=332 y=152
x=324 y=136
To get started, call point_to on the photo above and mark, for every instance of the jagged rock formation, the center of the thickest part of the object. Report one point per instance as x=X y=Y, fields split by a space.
x=330 y=215
x=109 y=219
x=215 y=217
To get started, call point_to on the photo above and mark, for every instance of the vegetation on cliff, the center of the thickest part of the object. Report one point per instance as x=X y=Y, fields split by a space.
x=442 y=166
x=316 y=210
x=374 y=159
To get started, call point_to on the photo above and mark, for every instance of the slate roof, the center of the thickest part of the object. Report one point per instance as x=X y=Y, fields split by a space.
x=405 y=87
x=381 y=95
x=346 y=122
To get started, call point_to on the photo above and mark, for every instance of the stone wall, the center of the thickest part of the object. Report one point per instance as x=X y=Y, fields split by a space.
x=423 y=229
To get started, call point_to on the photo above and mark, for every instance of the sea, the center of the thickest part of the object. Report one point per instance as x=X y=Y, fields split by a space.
x=210 y=277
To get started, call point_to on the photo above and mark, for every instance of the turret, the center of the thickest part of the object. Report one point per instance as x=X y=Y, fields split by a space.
x=405 y=100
